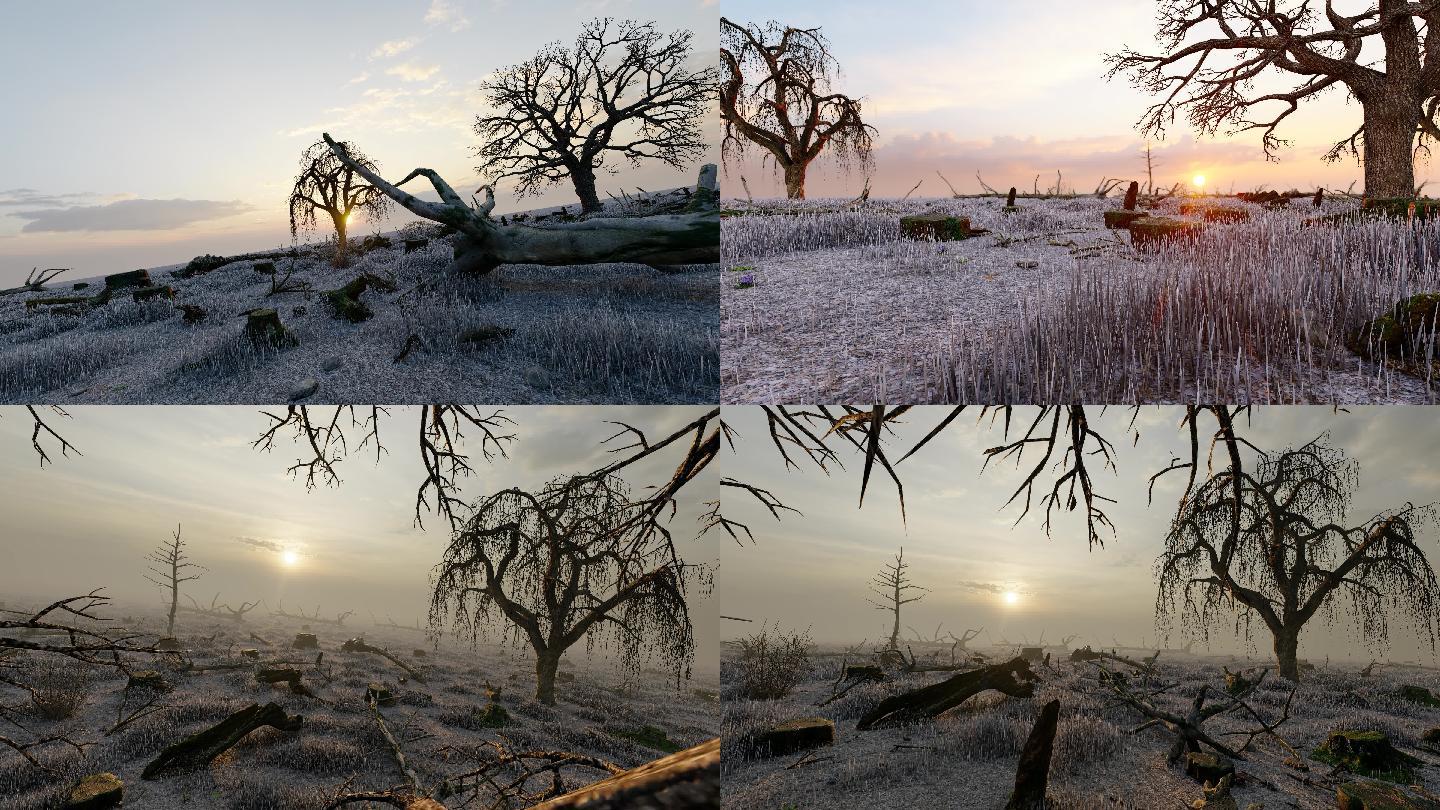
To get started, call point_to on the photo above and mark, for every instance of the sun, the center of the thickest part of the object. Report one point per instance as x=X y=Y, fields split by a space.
x=289 y=558
x=1199 y=181
x=1010 y=597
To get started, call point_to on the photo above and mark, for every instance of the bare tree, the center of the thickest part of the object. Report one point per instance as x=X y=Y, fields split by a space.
x=564 y=564
x=1271 y=543
x=894 y=588
x=330 y=185
x=169 y=568
x=1215 y=51
x=778 y=96
x=621 y=92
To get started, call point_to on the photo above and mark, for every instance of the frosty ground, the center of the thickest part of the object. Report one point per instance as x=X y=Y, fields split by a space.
x=967 y=758
x=841 y=308
x=596 y=333
x=601 y=712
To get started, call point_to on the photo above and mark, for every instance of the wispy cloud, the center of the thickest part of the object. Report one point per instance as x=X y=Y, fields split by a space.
x=362 y=78
x=30 y=197
x=988 y=587
x=129 y=215
x=447 y=13
x=261 y=543
x=411 y=72
x=394 y=47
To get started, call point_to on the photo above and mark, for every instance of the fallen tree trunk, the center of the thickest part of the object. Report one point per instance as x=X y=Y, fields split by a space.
x=359 y=645
x=1032 y=775
x=485 y=244
x=687 y=780
x=199 y=749
x=1013 y=678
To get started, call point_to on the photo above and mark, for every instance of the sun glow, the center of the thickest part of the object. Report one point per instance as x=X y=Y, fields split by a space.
x=1199 y=181
x=289 y=558
x=1010 y=597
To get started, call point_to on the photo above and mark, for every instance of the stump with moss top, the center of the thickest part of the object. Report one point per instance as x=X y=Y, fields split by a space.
x=1152 y=231
x=1366 y=795
x=98 y=791
x=1367 y=753
x=1402 y=331
x=937 y=227
x=263 y=328
x=1120 y=219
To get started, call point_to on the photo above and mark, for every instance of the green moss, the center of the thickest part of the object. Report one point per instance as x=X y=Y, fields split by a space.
x=742 y=268
x=492 y=716
x=1419 y=694
x=650 y=737
x=1367 y=753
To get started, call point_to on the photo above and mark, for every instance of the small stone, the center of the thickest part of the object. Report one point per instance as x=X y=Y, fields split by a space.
x=332 y=364
x=96 y=792
x=305 y=389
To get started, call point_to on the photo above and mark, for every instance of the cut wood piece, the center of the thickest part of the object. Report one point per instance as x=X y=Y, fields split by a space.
x=98 y=791
x=795 y=735
x=939 y=227
x=1120 y=220
x=263 y=328
x=685 y=780
x=199 y=749
x=1032 y=775
x=1207 y=768
x=1368 y=795
x=1013 y=678
x=305 y=641
x=134 y=278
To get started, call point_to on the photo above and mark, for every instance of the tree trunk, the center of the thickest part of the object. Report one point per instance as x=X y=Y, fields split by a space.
x=1287 y=645
x=547 y=664
x=341 y=240
x=584 y=180
x=1012 y=678
x=1389 y=154
x=174 y=597
x=795 y=181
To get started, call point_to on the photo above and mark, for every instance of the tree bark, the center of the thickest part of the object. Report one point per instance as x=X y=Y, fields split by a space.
x=795 y=181
x=174 y=596
x=199 y=749
x=547 y=664
x=1032 y=774
x=1287 y=645
x=584 y=180
x=1389 y=153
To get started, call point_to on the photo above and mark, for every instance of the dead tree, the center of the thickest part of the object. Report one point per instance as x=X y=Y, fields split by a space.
x=1012 y=678
x=35 y=281
x=777 y=95
x=169 y=568
x=200 y=748
x=578 y=559
x=358 y=645
x=1216 y=51
x=483 y=244
x=622 y=93
x=338 y=621
x=330 y=185
x=1268 y=541
x=892 y=585
x=220 y=611
x=390 y=624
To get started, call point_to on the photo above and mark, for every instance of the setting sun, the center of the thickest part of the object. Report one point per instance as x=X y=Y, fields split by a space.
x=290 y=559
x=1010 y=597
x=1199 y=181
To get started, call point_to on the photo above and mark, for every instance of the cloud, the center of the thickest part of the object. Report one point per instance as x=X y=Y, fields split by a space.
x=260 y=543
x=129 y=215
x=412 y=72
x=394 y=47
x=447 y=13
x=359 y=79
x=30 y=197
x=987 y=587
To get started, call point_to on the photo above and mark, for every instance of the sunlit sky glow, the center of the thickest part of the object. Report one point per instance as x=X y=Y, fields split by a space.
x=144 y=134
x=983 y=570
x=1017 y=93
x=89 y=521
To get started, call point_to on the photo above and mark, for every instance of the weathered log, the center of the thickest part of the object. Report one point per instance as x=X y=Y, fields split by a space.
x=146 y=293
x=134 y=278
x=263 y=328
x=346 y=300
x=484 y=244
x=791 y=736
x=685 y=780
x=1013 y=678
x=200 y=749
x=1032 y=775
x=98 y=791
x=1372 y=795
x=359 y=645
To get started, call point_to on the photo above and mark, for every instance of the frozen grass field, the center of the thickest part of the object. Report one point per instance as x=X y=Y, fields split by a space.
x=599 y=712
x=1050 y=306
x=967 y=757
x=521 y=334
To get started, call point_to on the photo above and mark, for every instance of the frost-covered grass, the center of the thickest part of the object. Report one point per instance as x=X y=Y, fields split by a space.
x=967 y=757
x=601 y=333
x=599 y=713
x=1053 y=307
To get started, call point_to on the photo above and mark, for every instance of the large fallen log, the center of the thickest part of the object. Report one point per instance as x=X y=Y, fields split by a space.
x=199 y=749
x=686 y=780
x=359 y=645
x=486 y=244
x=1013 y=678
x=1032 y=775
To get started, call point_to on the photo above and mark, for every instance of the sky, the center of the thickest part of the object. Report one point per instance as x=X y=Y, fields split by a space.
x=812 y=570
x=90 y=520
x=1010 y=92
x=144 y=134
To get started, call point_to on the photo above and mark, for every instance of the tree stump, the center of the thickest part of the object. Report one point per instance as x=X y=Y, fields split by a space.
x=1203 y=767
x=1319 y=197
x=168 y=644
x=193 y=313
x=250 y=653
x=1366 y=795
x=707 y=190
x=1120 y=220
x=305 y=641
x=98 y=791
x=1132 y=195
x=134 y=278
x=263 y=328
x=1367 y=753
x=937 y=227
x=200 y=749
x=1152 y=231
x=148 y=293
x=1033 y=654
x=1032 y=775
x=147 y=679
x=380 y=694
x=346 y=300
x=1419 y=694
x=686 y=780
x=412 y=245
x=1214 y=213
x=1010 y=206
x=264 y=268
x=795 y=735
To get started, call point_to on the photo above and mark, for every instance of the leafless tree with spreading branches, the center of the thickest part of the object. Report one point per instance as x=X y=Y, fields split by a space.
x=1215 y=52
x=623 y=91
x=330 y=185
x=894 y=589
x=777 y=95
x=169 y=569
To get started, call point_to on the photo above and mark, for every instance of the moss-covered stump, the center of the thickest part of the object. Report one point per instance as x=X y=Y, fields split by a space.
x=263 y=328
x=707 y=190
x=379 y=693
x=1156 y=231
x=1419 y=694
x=937 y=227
x=492 y=716
x=650 y=737
x=1120 y=219
x=1214 y=213
x=1203 y=766
x=147 y=679
x=97 y=791
x=787 y=738
x=1404 y=207
x=305 y=641
x=150 y=293
x=1367 y=753
x=1400 y=332
x=346 y=301
x=1366 y=795
x=134 y=278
